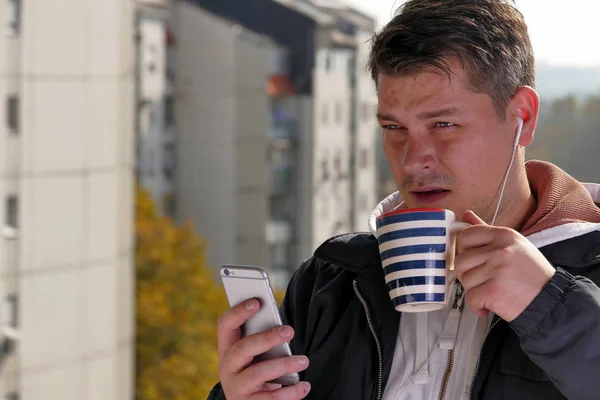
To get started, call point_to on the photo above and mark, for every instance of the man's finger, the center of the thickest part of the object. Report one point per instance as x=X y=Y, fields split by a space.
x=244 y=350
x=228 y=328
x=294 y=392
x=477 y=299
x=473 y=237
x=471 y=218
x=256 y=375
x=477 y=276
x=466 y=262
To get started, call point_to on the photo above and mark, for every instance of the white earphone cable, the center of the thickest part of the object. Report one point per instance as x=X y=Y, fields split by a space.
x=512 y=159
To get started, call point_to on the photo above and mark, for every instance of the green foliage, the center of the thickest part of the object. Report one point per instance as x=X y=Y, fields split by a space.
x=567 y=135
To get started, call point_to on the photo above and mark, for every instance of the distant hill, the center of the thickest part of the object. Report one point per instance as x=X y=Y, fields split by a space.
x=556 y=81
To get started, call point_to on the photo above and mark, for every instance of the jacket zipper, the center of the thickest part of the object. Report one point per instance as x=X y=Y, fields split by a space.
x=458 y=296
x=478 y=365
x=447 y=374
x=377 y=343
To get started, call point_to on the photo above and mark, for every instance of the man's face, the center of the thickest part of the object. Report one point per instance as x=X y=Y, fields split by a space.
x=445 y=144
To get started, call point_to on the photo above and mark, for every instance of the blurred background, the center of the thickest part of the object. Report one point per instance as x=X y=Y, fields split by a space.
x=146 y=142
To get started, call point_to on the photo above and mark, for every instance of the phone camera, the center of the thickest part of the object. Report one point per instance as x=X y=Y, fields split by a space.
x=226 y=272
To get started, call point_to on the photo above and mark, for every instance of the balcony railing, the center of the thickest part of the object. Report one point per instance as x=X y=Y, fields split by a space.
x=282 y=180
x=283 y=131
x=278 y=232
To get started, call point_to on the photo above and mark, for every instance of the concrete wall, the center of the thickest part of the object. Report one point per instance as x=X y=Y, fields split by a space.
x=305 y=178
x=70 y=267
x=252 y=114
x=222 y=123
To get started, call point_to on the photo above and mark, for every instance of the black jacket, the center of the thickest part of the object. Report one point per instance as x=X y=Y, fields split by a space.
x=345 y=323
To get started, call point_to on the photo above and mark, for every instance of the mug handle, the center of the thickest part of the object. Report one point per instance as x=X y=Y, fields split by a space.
x=456 y=226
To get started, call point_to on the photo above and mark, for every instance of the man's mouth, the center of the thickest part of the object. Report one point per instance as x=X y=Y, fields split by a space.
x=429 y=195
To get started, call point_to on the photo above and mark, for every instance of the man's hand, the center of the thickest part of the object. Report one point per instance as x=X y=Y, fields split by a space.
x=239 y=379
x=501 y=270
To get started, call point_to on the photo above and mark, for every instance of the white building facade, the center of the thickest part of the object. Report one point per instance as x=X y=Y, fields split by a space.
x=222 y=123
x=331 y=143
x=66 y=199
x=275 y=146
x=366 y=130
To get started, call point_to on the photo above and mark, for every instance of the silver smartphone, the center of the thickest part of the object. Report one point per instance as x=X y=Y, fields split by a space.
x=243 y=282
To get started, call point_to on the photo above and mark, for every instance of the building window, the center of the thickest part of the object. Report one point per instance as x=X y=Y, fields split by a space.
x=362 y=202
x=279 y=61
x=363 y=158
x=12 y=310
x=325 y=114
x=169 y=161
x=338 y=111
x=364 y=108
x=12 y=113
x=152 y=117
x=325 y=170
x=337 y=165
x=170 y=205
x=281 y=158
x=12 y=212
x=169 y=110
x=14 y=22
x=279 y=256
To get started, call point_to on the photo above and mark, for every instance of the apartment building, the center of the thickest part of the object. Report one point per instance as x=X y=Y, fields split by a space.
x=66 y=200
x=154 y=102
x=364 y=131
x=222 y=120
x=318 y=179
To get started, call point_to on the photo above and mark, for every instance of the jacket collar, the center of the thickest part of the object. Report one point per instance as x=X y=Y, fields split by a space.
x=569 y=245
x=353 y=251
x=359 y=251
x=577 y=252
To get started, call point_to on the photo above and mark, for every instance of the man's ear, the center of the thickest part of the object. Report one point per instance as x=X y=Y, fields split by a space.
x=525 y=104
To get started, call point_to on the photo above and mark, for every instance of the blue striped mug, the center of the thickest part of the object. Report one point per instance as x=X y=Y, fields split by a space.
x=417 y=247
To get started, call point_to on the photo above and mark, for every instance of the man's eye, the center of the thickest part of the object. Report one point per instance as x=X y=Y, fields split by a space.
x=391 y=127
x=444 y=124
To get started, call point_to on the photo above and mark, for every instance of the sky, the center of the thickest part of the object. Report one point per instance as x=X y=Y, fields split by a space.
x=563 y=33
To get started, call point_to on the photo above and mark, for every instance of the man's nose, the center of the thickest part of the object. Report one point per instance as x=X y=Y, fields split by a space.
x=419 y=155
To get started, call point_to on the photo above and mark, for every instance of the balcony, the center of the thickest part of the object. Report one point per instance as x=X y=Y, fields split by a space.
x=282 y=179
x=283 y=134
x=11 y=244
x=278 y=232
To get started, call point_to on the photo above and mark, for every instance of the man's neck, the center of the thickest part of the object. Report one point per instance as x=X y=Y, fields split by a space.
x=521 y=206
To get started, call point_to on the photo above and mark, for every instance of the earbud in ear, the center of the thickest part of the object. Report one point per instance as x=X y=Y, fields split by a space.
x=519 y=129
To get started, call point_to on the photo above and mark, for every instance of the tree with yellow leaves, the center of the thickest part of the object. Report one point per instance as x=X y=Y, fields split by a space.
x=177 y=307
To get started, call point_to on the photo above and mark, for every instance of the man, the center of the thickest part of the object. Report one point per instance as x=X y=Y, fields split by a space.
x=455 y=81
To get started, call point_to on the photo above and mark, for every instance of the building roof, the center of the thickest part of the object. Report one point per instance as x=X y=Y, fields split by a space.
x=307 y=8
x=351 y=15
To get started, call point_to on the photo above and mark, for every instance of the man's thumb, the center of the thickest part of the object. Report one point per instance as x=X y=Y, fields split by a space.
x=471 y=218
